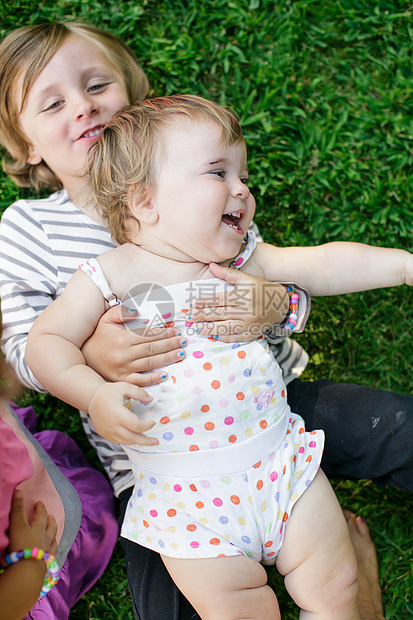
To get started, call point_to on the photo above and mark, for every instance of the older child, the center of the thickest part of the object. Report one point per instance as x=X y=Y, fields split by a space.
x=48 y=123
x=41 y=242
x=61 y=83
x=227 y=474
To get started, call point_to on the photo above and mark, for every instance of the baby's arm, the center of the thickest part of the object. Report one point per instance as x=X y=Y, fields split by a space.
x=53 y=353
x=336 y=268
x=31 y=278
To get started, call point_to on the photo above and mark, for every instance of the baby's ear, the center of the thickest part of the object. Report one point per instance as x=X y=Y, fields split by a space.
x=142 y=207
x=33 y=158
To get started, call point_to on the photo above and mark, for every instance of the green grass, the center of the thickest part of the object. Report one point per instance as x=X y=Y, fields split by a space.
x=325 y=94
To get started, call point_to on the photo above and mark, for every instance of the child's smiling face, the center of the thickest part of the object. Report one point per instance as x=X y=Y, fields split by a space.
x=200 y=193
x=74 y=96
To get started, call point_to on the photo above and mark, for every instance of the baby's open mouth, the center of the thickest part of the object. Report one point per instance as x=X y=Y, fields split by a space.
x=233 y=220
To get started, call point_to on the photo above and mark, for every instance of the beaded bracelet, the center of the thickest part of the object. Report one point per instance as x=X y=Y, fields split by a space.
x=52 y=576
x=291 y=319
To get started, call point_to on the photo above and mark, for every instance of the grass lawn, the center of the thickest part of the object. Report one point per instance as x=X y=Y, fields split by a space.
x=325 y=94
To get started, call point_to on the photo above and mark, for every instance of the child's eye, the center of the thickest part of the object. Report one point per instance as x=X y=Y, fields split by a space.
x=244 y=180
x=96 y=87
x=54 y=105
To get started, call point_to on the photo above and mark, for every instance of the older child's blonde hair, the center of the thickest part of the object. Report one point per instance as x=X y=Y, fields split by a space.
x=127 y=155
x=24 y=53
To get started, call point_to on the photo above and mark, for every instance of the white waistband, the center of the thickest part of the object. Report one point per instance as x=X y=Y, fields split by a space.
x=214 y=462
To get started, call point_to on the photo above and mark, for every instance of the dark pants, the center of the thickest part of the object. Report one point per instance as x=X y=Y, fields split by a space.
x=368 y=435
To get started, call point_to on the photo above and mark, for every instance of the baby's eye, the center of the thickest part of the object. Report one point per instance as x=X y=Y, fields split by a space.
x=244 y=180
x=218 y=173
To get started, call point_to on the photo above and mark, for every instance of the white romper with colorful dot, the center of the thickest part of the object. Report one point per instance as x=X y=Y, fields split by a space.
x=232 y=459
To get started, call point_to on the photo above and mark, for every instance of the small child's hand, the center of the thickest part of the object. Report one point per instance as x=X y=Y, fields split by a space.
x=41 y=532
x=21 y=583
x=114 y=421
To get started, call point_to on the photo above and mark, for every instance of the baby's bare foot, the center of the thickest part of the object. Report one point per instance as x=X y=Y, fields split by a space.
x=370 y=598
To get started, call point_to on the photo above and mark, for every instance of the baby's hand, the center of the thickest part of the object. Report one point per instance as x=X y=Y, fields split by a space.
x=41 y=532
x=112 y=418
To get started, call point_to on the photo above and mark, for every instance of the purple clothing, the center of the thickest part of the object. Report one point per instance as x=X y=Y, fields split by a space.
x=95 y=536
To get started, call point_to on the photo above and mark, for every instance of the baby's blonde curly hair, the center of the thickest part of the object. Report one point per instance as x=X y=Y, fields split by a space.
x=130 y=149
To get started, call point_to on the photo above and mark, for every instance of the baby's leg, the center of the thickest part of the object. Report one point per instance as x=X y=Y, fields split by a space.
x=225 y=588
x=317 y=557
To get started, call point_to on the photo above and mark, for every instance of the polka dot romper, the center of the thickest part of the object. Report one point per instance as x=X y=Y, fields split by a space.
x=232 y=458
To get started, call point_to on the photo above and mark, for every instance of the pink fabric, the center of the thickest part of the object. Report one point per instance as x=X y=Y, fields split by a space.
x=97 y=532
x=15 y=467
x=38 y=485
x=97 y=535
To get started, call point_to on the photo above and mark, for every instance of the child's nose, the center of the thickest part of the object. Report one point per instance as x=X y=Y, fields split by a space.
x=83 y=106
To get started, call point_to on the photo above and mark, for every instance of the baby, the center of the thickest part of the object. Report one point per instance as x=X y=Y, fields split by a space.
x=225 y=474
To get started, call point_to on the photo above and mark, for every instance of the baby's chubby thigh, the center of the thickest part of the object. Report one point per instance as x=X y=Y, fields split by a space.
x=317 y=558
x=225 y=588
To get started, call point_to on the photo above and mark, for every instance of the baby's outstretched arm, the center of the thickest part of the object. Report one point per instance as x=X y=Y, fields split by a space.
x=53 y=353
x=336 y=268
